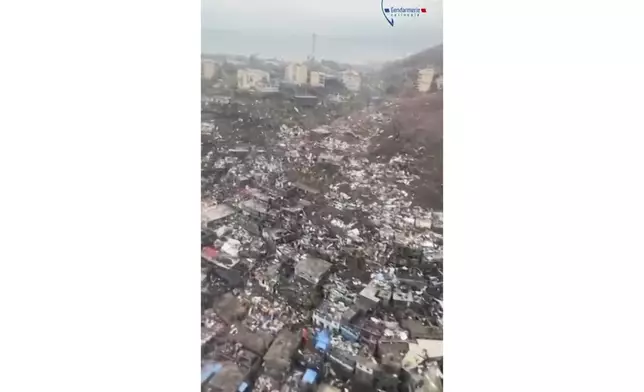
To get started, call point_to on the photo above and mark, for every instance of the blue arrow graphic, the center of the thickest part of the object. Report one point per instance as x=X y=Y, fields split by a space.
x=382 y=7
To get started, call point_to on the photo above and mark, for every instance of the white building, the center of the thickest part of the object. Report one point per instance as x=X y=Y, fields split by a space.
x=425 y=78
x=327 y=316
x=317 y=79
x=208 y=68
x=351 y=80
x=252 y=79
x=296 y=73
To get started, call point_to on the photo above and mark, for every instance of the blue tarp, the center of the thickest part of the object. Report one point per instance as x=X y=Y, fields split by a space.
x=209 y=370
x=322 y=346
x=310 y=376
x=322 y=341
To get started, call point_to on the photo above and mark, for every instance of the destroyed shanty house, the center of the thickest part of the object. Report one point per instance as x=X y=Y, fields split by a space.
x=366 y=368
x=215 y=213
x=248 y=363
x=342 y=361
x=223 y=258
x=310 y=225
x=402 y=297
x=377 y=292
x=310 y=359
x=227 y=379
x=296 y=294
x=259 y=205
x=212 y=328
x=328 y=316
x=311 y=270
x=420 y=330
x=271 y=316
x=207 y=336
x=370 y=332
x=303 y=191
x=268 y=277
x=265 y=383
x=335 y=315
x=255 y=208
x=280 y=236
x=410 y=291
x=316 y=360
x=257 y=342
x=230 y=308
x=278 y=358
x=406 y=254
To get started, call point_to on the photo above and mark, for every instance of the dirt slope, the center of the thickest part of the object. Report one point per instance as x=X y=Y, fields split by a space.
x=416 y=129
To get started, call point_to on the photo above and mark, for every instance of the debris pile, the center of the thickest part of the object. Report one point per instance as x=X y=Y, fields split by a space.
x=319 y=268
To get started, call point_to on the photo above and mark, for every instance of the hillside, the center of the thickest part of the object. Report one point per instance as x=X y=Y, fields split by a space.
x=416 y=130
x=399 y=76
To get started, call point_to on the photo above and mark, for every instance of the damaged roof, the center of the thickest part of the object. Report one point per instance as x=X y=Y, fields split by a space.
x=229 y=308
x=281 y=351
x=217 y=212
x=311 y=269
x=227 y=379
x=421 y=351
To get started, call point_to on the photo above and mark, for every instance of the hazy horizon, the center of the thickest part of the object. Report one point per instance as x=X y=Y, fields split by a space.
x=352 y=49
x=354 y=31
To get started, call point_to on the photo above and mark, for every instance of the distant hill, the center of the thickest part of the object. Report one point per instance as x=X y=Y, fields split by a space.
x=400 y=75
x=428 y=57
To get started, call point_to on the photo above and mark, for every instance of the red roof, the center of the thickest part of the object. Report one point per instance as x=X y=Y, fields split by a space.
x=210 y=252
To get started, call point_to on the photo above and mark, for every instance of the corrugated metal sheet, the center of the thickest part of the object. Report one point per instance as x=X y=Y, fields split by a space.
x=310 y=376
x=208 y=370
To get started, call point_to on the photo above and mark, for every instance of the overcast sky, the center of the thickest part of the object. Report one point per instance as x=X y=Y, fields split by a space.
x=325 y=17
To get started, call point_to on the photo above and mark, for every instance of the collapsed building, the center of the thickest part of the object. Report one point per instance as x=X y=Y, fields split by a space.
x=318 y=270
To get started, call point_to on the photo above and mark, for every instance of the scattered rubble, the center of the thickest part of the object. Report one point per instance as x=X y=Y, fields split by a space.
x=320 y=267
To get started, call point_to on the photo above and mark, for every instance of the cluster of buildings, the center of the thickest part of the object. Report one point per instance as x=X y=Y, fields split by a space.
x=296 y=74
x=304 y=287
x=259 y=338
x=279 y=314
